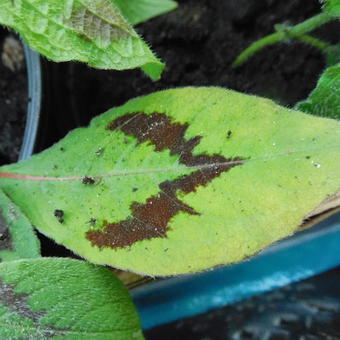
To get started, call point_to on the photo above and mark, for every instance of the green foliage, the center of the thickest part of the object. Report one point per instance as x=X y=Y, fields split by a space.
x=17 y=238
x=137 y=11
x=91 y=31
x=325 y=99
x=149 y=188
x=332 y=7
x=64 y=299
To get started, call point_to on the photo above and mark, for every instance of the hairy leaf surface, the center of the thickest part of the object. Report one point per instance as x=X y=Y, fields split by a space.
x=64 y=299
x=325 y=99
x=180 y=180
x=17 y=237
x=91 y=31
x=137 y=11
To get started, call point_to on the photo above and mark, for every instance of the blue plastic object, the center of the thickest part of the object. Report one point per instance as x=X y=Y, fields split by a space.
x=296 y=258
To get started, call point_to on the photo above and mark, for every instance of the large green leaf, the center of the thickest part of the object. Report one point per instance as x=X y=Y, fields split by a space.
x=180 y=180
x=325 y=99
x=91 y=31
x=64 y=299
x=17 y=238
x=332 y=7
x=137 y=11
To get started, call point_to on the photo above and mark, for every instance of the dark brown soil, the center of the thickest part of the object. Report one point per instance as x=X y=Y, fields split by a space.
x=198 y=41
x=13 y=101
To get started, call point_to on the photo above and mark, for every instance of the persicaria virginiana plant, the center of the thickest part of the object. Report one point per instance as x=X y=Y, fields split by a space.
x=174 y=182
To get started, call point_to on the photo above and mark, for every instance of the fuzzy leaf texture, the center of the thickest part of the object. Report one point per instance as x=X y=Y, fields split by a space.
x=180 y=180
x=91 y=31
x=137 y=11
x=325 y=98
x=17 y=237
x=64 y=299
x=332 y=7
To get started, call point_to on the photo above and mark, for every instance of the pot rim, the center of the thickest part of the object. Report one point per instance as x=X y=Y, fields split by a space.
x=33 y=66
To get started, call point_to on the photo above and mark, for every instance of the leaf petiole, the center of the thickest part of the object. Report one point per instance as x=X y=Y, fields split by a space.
x=315 y=42
x=283 y=32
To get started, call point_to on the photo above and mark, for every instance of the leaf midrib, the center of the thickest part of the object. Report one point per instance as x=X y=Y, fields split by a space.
x=169 y=169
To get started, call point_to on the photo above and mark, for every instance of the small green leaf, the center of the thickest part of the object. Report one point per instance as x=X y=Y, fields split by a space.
x=91 y=31
x=17 y=237
x=64 y=299
x=332 y=7
x=180 y=180
x=325 y=99
x=137 y=11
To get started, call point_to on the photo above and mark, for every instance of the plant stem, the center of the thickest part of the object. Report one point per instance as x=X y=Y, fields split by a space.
x=289 y=32
x=320 y=44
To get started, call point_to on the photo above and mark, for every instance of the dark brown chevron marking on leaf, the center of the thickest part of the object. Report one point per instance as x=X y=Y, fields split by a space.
x=151 y=219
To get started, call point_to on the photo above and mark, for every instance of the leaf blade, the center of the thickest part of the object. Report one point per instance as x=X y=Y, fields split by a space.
x=324 y=100
x=17 y=239
x=94 y=32
x=137 y=11
x=139 y=162
x=64 y=299
x=332 y=7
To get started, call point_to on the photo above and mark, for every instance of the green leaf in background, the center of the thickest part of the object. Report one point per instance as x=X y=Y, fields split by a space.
x=332 y=7
x=64 y=299
x=17 y=237
x=91 y=31
x=325 y=98
x=137 y=11
x=180 y=180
